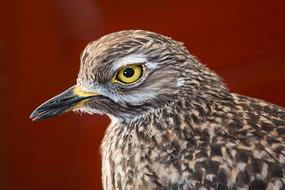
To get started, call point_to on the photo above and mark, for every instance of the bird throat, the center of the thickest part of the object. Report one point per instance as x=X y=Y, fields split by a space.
x=137 y=147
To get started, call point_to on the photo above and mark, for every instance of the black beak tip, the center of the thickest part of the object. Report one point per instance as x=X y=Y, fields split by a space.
x=47 y=110
x=34 y=115
x=57 y=105
x=42 y=114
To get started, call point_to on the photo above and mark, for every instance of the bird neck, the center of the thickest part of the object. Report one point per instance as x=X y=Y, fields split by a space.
x=174 y=118
x=176 y=129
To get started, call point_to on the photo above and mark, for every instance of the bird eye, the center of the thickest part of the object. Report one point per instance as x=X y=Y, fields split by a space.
x=129 y=74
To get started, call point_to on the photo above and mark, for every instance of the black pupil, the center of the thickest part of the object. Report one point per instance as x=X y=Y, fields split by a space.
x=129 y=72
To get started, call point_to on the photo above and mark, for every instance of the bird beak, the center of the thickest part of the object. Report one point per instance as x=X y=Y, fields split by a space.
x=72 y=98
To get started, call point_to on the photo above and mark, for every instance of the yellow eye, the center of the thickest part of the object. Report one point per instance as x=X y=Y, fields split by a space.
x=129 y=74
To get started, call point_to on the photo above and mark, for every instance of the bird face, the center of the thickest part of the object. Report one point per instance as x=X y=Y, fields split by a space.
x=123 y=75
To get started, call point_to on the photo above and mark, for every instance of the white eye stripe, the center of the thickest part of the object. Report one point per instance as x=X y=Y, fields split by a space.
x=133 y=59
x=130 y=59
x=180 y=82
x=151 y=65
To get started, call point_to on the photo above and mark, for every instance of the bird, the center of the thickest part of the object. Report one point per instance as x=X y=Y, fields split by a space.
x=174 y=122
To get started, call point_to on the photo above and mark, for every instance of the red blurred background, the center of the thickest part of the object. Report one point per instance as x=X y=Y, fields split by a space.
x=40 y=45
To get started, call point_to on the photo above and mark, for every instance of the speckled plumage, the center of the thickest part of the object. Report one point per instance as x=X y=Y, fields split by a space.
x=186 y=130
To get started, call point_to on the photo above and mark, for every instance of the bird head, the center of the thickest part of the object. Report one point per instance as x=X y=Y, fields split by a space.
x=128 y=74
